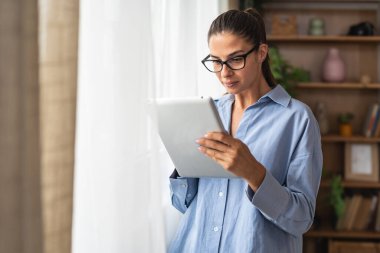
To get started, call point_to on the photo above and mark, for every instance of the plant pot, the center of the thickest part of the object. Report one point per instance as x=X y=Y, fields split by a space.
x=345 y=129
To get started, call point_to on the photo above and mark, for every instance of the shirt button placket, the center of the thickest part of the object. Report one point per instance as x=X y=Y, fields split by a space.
x=217 y=225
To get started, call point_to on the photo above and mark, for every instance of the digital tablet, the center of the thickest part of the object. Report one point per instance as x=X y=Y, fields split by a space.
x=181 y=121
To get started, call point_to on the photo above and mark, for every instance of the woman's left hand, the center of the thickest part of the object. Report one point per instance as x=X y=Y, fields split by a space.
x=234 y=156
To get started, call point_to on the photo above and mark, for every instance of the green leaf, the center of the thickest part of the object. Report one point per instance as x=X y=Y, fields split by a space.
x=284 y=73
x=336 y=196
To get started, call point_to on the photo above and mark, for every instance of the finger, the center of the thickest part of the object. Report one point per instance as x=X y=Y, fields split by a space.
x=221 y=137
x=216 y=145
x=213 y=154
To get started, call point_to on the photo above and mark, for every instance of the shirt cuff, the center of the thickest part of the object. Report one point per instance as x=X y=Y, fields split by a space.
x=184 y=188
x=270 y=198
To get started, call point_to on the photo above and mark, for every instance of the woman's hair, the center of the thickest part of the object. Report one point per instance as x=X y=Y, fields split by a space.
x=247 y=24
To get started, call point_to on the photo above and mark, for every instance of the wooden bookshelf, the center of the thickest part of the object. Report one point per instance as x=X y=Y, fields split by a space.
x=355 y=138
x=353 y=184
x=361 y=55
x=343 y=234
x=321 y=85
x=325 y=38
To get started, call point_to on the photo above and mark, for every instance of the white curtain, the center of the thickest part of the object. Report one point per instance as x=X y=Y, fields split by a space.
x=180 y=34
x=129 y=52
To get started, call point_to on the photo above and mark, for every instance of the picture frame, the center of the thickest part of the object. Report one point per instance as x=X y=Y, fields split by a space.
x=361 y=162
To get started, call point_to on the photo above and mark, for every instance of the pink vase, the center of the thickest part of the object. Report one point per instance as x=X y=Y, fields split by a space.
x=333 y=67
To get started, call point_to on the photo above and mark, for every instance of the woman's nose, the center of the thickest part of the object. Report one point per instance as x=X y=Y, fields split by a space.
x=226 y=71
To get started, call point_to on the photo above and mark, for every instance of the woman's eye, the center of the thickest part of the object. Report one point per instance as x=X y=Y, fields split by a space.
x=236 y=60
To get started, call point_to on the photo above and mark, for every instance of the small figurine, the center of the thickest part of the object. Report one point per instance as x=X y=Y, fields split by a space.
x=365 y=79
x=316 y=26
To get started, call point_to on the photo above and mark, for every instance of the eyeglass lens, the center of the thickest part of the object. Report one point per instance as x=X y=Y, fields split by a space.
x=235 y=63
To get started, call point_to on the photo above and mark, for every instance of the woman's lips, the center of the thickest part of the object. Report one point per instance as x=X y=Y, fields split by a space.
x=230 y=84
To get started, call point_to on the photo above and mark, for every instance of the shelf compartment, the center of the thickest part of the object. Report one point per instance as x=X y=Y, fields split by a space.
x=343 y=234
x=321 y=85
x=356 y=138
x=325 y=38
x=354 y=184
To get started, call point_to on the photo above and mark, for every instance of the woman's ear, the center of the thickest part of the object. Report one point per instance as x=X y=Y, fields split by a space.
x=262 y=52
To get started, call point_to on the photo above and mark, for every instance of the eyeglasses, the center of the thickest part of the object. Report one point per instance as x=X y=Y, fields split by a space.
x=234 y=63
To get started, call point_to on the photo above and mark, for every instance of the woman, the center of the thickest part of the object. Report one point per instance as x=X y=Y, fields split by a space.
x=273 y=146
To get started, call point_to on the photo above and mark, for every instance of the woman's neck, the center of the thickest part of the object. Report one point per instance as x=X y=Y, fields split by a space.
x=246 y=98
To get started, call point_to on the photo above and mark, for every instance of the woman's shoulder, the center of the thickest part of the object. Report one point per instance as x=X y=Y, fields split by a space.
x=300 y=107
x=289 y=104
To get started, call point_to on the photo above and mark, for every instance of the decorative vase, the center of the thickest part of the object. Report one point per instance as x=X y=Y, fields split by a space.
x=321 y=115
x=333 y=67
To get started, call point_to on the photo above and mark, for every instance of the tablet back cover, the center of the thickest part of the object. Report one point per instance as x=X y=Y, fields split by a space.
x=181 y=121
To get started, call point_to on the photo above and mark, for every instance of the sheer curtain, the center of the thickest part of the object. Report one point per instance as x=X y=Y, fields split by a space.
x=180 y=43
x=129 y=53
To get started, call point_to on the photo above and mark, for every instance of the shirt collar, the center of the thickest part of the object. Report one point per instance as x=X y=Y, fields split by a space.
x=279 y=95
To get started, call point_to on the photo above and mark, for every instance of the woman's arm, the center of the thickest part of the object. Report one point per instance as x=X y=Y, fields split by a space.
x=290 y=206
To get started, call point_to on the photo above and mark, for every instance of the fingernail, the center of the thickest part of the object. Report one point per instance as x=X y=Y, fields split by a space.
x=197 y=140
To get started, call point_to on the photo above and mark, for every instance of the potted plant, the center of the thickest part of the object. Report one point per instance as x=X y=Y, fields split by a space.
x=284 y=73
x=337 y=198
x=345 y=126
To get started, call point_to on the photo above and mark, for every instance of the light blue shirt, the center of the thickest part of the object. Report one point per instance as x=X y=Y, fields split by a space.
x=225 y=215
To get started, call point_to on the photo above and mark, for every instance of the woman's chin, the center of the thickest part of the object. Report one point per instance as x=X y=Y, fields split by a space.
x=231 y=88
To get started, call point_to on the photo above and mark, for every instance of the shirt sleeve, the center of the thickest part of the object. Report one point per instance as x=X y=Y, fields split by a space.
x=291 y=206
x=182 y=190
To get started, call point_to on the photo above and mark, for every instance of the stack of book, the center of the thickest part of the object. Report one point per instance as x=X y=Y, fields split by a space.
x=361 y=213
x=371 y=125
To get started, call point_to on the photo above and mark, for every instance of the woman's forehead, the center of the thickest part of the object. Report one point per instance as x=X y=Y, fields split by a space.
x=225 y=43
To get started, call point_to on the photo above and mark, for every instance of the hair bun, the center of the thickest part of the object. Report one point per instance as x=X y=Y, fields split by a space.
x=252 y=11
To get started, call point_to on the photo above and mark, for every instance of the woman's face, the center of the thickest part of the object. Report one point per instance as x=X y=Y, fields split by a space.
x=224 y=46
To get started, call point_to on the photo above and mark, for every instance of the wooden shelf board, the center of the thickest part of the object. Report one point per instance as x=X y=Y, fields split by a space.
x=354 y=184
x=356 y=138
x=319 y=85
x=324 y=38
x=343 y=234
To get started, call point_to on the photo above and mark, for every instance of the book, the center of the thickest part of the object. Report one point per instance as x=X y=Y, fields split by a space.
x=377 y=218
x=370 y=120
x=342 y=220
x=363 y=215
x=372 y=217
x=377 y=131
x=376 y=121
x=353 y=211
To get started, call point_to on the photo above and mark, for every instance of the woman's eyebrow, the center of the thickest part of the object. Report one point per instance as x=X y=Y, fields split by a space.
x=230 y=55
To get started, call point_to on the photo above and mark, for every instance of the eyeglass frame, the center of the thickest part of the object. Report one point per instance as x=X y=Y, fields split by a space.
x=226 y=61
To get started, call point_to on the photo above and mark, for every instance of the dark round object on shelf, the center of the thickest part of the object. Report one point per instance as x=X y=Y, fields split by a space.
x=361 y=29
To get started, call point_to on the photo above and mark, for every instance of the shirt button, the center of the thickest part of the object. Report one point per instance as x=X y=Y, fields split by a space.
x=220 y=194
x=184 y=185
x=216 y=229
x=189 y=195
